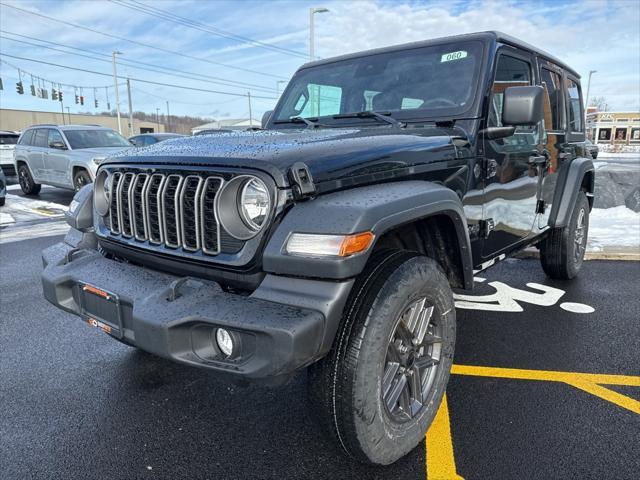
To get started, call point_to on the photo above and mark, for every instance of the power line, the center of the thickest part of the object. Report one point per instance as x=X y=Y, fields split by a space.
x=24 y=72
x=146 y=45
x=125 y=61
x=172 y=17
x=184 y=87
x=190 y=76
x=198 y=104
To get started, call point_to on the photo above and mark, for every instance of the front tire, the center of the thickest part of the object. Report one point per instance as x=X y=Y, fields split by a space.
x=562 y=251
x=381 y=385
x=80 y=179
x=27 y=184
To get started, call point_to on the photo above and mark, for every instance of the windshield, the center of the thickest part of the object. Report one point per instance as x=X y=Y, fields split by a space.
x=10 y=139
x=430 y=81
x=95 y=138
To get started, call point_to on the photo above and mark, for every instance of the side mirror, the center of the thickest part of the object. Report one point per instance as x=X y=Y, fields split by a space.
x=265 y=118
x=522 y=105
x=58 y=145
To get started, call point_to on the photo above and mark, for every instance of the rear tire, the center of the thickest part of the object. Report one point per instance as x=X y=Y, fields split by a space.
x=380 y=350
x=562 y=251
x=27 y=184
x=80 y=179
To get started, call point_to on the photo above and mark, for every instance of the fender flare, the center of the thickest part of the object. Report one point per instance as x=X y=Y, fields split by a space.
x=376 y=208
x=567 y=189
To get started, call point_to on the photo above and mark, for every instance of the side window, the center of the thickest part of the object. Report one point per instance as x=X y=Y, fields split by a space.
x=40 y=138
x=574 y=106
x=54 y=136
x=320 y=100
x=510 y=72
x=553 y=104
x=137 y=141
x=26 y=138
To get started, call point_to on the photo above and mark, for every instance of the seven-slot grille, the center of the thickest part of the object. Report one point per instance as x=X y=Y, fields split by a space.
x=171 y=210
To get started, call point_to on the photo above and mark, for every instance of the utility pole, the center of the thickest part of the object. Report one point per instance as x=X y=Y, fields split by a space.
x=115 y=85
x=62 y=109
x=68 y=115
x=130 y=107
x=158 y=118
x=168 y=117
x=312 y=12
x=591 y=72
x=250 y=114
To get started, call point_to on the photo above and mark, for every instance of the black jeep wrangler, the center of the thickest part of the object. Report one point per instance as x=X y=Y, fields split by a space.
x=332 y=238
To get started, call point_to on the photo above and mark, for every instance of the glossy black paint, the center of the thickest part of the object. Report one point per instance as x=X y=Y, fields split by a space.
x=358 y=152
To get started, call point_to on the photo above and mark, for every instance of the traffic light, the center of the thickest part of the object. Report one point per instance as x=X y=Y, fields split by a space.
x=33 y=90
x=19 y=88
x=81 y=100
x=60 y=95
x=95 y=102
x=77 y=99
x=54 y=94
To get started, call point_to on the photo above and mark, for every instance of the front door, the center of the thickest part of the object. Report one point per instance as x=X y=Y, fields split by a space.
x=56 y=161
x=511 y=179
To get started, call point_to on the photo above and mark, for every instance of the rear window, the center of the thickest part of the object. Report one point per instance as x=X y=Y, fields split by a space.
x=8 y=139
x=41 y=137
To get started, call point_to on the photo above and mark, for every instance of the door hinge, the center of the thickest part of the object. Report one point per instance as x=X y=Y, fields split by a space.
x=301 y=181
x=540 y=206
x=486 y=227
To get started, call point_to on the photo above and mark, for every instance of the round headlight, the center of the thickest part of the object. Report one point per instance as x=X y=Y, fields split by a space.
x=102 y=192
x=254 y=203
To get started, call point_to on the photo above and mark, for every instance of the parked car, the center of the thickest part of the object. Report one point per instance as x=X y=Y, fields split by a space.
x=64 y=156
x=146 y=139
x=213 y=131
x=8 y=142
x=333 y=239
x=3 y=188
x=591 y=148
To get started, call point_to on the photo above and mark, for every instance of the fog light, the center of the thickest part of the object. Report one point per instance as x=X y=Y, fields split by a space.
x=224 y=341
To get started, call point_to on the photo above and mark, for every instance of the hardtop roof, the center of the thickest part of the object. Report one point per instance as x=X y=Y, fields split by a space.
x=487 y=36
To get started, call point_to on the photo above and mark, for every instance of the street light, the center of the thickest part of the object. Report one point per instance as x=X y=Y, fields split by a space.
x=312 y=12
x=115 y=85
x=278 y=83
x=591 y=72
x=158 y=118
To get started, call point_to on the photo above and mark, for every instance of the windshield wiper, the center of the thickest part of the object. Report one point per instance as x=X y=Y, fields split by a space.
x=310 y=123
x=382 y=116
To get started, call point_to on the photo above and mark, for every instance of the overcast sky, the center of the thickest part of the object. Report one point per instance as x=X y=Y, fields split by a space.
x=588 y=35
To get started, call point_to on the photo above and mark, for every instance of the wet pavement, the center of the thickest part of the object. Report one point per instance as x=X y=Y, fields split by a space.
x=537 y=391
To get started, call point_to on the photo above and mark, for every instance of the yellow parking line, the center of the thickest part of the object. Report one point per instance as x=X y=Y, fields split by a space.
x=441 y=464
x=439 y=444
x=588 y=382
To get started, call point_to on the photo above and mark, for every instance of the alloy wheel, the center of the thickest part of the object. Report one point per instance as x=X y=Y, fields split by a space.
x=412 y=361
x=580 y=237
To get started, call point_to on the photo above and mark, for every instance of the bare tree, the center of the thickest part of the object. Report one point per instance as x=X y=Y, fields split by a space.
x=600 y=103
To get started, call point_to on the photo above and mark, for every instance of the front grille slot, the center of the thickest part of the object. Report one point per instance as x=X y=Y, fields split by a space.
x=125 y=205
x=172 y=210
x=209 y=220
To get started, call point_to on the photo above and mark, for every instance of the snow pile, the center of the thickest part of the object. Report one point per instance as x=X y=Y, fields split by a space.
x=613 y=227
x=6 y=219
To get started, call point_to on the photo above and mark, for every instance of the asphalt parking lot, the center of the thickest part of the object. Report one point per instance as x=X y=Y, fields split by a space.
x=538 y=391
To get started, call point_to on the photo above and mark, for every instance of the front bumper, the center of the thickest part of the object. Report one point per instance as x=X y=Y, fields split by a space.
x=284 y=325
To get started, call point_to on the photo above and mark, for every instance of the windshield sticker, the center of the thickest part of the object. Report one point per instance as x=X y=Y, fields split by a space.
x=459 y=55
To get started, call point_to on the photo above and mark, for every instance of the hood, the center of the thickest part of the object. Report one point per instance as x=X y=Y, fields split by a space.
x=330 y=153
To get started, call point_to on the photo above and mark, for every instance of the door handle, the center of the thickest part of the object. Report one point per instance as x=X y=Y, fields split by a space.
x=538 y=160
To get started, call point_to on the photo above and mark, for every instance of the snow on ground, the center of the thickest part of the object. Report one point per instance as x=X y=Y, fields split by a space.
x=6 y=219
x=613 y=227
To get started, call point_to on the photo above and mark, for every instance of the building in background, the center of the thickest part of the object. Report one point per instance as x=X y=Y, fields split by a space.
x=18 y=120
x=613 y=128
x=227 y=124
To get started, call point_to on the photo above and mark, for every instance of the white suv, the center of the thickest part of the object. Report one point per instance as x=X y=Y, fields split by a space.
x=8 y=142
x=64 y=156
